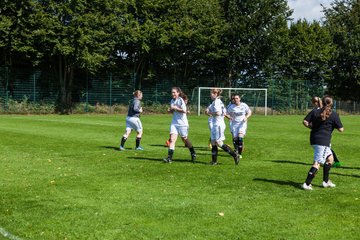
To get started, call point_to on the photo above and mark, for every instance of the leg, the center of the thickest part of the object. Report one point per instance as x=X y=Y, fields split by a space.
x=311 y=174
x=124 y=138
x=171 y=149
x=337 y=163
x=138 y=140
x=189 y=145
x=214 y=152
x=327 y=166
x=240 y=143
x=228 y=149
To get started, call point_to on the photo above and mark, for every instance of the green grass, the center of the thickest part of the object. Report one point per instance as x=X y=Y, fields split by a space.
x=62 y=177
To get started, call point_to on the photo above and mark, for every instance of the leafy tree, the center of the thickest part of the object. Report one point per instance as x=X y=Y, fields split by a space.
x=70 y=35
x=170 y=36
x=252 y=37
x=343 y=22
x=310 y=51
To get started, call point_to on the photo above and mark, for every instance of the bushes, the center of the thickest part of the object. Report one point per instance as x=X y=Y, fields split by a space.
x=27 y=107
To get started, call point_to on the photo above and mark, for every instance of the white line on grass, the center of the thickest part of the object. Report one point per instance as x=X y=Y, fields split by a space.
x=8 y=235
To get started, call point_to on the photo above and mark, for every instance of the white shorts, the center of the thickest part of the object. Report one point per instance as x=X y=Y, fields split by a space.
x=218 y=132
x=183 y=131
x=133 y=123
x=321 y=153
x=238 y=128
x=210 y=123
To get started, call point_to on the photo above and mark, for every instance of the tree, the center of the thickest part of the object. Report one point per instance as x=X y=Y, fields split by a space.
x=252 y=37
x=310 y=51
x=166 y=36
x=343 y=22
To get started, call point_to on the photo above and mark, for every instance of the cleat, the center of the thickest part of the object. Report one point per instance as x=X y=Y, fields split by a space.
x=336 y=164
x=193 y=157
x=121 y=148
x=167 y=160
x=237 y=159
x=328 y=184
x=139 y=148
x=306 y=187
x=213 y=163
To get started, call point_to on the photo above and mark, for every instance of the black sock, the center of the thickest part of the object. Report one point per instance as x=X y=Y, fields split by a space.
x=240 y=145
x=227 y=149
x=214 y=153
x=192 y=150
x=138 y=139
x=170 y=153
x=327 y=167
x=335 y=157
x=123 y=140
x=311 y=175
x=235 y=143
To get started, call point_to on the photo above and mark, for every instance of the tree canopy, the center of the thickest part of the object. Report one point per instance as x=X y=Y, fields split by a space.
x=238 y=43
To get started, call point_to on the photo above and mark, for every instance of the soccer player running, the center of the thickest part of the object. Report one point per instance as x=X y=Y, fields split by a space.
x=179 y=124
x=133 y=121
x=238 y=113
x=317 y=103
x=322 y=122
x=217 y=111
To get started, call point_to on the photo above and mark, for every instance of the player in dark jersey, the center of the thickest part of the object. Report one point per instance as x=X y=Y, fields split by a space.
x=317 y=103
x=322 y=122
x=133 y=121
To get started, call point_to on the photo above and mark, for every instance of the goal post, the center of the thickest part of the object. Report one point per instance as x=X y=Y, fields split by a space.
x=256 y=98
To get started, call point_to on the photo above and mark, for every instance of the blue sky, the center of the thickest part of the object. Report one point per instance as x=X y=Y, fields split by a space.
x=308 y=9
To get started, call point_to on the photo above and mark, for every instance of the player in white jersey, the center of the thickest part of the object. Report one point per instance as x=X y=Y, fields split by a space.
x=133 y=121
x=238 y=113
x=217 y=111
x=179 y=124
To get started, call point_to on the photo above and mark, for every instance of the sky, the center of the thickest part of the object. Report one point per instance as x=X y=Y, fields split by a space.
x=308 y=9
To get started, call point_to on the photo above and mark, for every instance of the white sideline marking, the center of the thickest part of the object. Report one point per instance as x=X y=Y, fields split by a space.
x=8 y=235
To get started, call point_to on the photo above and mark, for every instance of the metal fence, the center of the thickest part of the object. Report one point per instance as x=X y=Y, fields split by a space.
x=111 y=88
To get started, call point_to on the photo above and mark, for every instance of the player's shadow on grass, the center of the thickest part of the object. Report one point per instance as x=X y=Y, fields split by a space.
x=344 y=167
x=181 y=146
x=345 y=175
x=161 y=160
x=111 y=147
x=280 y=182
x=291 y=162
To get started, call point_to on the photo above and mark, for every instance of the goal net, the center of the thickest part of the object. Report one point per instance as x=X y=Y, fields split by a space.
x=255 y=98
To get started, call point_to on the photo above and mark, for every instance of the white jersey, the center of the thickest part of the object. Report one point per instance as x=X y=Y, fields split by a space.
x=218 y=106
x=179 y=118
x=238 y=113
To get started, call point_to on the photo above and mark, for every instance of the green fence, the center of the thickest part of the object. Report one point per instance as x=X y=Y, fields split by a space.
x=111 y=88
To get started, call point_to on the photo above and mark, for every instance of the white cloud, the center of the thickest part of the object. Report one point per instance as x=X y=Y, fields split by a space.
x=308 y=9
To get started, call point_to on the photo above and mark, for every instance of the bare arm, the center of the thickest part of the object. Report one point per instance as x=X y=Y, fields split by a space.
x=340 y=129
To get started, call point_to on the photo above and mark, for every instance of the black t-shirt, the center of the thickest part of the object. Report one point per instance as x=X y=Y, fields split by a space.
x=321 y=130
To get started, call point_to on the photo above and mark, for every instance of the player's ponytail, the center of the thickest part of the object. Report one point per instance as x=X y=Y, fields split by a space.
x=327 y=103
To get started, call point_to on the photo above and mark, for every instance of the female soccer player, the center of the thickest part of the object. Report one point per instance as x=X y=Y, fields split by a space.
x=317 y=103
x=238 y=113
x=179 y=124
x=217 y=111
x=133 y=121
x=322 y=122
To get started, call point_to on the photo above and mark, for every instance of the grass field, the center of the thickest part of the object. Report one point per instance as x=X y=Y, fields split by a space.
x=62 y=177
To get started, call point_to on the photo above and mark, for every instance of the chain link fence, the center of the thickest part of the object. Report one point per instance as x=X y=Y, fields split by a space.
x=112 y=88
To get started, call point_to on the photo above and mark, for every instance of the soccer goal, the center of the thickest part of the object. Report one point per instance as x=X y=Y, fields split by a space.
x=256 y=98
